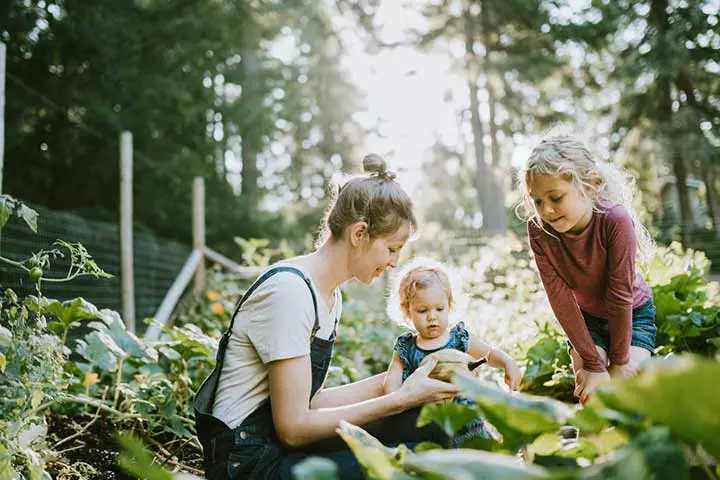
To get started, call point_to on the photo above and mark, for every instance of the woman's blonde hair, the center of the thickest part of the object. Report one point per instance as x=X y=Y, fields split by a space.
x=600 y=182
x=373 y=197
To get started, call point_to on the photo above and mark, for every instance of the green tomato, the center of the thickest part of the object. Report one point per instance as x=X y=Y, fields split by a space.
x=35 y=273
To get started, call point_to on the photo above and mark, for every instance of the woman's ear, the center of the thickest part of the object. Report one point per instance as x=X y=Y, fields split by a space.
x=357 y=232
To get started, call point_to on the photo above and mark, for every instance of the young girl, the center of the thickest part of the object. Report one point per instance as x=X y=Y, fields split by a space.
x=584 y=235
x=425 y=299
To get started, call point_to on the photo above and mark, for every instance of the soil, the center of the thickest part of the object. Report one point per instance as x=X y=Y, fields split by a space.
x=98 y=447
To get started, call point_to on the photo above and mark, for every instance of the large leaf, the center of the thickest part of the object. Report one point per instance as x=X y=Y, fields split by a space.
x=5 y=209
x=99 y=349
x=113 y=325
x=377 y=461
x=72 y=311
x=464 y=463
x=315 y=468
x=136 y=460
x=518 y=417
x=682 y=393
x=29 y=215
x=652 y=454
x=450 y=416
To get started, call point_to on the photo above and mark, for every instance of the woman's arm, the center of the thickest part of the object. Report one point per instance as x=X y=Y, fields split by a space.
x=355 y=392
x=296 y=424
x=393 y=380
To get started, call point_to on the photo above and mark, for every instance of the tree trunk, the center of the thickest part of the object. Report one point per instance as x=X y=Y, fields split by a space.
x=686 y=214
x=492 y=207
x=658 y=17
x=711 y=195
x=494 y=145
x=250 y=173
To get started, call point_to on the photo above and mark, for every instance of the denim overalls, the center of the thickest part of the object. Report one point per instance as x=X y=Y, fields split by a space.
x=251 y=449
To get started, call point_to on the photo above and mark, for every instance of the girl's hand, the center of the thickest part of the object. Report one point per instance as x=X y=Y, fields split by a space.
x=513 y=375
x=419 y=389
x=627 y=370
x=586 y=382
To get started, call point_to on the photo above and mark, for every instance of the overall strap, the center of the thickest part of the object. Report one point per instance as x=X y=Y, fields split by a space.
x=261 y=280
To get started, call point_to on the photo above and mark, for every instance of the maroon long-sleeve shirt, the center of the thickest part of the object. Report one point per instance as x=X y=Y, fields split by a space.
x=593 y=271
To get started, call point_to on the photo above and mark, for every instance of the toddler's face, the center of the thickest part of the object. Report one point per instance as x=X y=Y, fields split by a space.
x=560 y=203
x=428 y=311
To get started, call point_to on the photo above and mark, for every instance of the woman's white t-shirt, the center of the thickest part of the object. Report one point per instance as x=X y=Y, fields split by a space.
x=275 y=323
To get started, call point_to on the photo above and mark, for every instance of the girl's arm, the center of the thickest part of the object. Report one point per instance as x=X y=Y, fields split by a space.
x=622 y=248
x=355 y=392
x=496 y=358
x=565 y=307
x=296 y=424
x=393 y=380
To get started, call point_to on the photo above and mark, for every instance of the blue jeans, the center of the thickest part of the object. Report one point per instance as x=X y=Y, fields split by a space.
x=643 y=328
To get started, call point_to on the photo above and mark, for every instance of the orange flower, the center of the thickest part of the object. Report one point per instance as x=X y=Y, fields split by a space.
x=91 y=378
x=217 y=308
x=212 y=295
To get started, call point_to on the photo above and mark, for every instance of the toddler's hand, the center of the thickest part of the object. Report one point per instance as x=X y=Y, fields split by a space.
x=586 y=382
x=513 y=374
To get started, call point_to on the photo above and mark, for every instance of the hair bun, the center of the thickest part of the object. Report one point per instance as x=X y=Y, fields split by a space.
x=376 y=164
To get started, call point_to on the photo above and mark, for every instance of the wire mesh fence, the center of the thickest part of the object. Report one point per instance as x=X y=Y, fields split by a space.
x=157 y=261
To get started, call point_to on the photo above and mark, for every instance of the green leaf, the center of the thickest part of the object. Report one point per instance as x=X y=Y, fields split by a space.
x=682 y=393
x=450 y=416
x=315 y=468
x=377 y=461
x=29 y=215
x=99 y=349
x=6 y=337
x=518 y=417
x=6 y=208
x=464 y=463
x=71 y=311
x=114 y=326
x=136 y=460
x=170 y=353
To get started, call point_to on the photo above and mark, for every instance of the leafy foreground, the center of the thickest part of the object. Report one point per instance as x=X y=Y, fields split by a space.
x=649 y=427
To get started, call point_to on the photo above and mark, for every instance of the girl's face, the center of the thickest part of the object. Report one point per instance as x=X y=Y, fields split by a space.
x=429 y=311
x=560 y=203
x=373 y=256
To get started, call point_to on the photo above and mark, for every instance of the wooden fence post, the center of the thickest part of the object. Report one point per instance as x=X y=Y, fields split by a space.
x=198 y=229
x=126 y=231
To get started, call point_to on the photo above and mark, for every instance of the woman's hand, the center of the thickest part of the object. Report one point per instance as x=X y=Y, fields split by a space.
x=513 y=374
x=630 y=369
x=419 y=389
x=586 y=382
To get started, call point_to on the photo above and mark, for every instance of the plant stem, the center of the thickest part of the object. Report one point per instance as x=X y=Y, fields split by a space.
x=707 y=470
x=14 y=263
x=118 y=379
x=84 y=428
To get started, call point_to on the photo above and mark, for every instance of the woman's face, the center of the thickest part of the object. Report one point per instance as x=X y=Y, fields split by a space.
x=373 y=256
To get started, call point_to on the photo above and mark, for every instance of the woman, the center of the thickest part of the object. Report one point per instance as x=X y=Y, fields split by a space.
x=263 y=409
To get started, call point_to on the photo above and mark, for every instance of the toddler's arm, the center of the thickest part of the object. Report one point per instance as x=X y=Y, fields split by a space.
x=496 y=358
